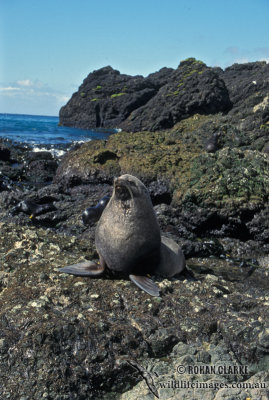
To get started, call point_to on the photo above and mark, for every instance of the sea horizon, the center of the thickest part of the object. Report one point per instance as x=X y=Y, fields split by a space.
x=30 y=115
x=44 y=131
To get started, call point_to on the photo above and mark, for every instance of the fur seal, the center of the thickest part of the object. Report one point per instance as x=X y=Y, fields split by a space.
x=128 y=239
x=33 y=209
x=212 y=144
x=93 y=214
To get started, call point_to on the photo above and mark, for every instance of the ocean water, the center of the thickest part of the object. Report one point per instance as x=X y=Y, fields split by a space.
x=42 y=132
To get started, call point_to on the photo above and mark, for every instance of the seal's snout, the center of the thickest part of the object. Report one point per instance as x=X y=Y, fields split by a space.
x=117 y=182
x=122 y=189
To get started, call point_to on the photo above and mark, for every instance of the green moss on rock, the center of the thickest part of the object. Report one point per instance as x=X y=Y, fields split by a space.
x=117 y=95
x=230 y=177
x=227 y=178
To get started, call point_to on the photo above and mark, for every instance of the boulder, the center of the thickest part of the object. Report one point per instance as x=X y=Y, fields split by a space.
x=4 y=153
x=106 y=98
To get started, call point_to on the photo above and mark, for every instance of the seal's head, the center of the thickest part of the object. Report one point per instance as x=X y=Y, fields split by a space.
x=128 y=187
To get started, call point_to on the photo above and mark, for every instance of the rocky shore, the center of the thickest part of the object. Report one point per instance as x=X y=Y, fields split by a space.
x=205 y=164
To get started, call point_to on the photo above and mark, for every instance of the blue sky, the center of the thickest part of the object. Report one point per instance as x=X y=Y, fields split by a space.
x=49 y=47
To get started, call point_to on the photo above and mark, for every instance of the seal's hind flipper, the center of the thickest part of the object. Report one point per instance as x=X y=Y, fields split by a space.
x=86 y=268
x=145 y=284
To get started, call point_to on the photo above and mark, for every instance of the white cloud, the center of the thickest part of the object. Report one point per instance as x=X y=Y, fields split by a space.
x=28 y=96
x=8 y=89
x=25 y=82
x=28 y=83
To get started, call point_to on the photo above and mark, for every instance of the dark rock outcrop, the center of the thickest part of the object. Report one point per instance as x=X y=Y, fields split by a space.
x=245 y=80
x=192 y=88
x=248 y=87
x=108 y=99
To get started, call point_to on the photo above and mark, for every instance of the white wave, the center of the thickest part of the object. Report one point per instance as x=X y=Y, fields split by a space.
x=57 y=153
x=54 y=152
x=36 y=149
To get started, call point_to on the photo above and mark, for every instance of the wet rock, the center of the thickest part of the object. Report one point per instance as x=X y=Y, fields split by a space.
x=13 y=175
x=202 y=248
x=9 y=199
x=160 y=192
x=39 y=155
x=41 y=170
x=4 y=153
x=259 y=225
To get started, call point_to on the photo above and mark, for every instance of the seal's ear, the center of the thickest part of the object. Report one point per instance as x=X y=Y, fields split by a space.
x=145 y=284
x=87 y=268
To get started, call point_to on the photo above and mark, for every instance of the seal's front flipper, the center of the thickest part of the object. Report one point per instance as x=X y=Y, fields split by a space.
x=145 y=284
x=86 y=268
